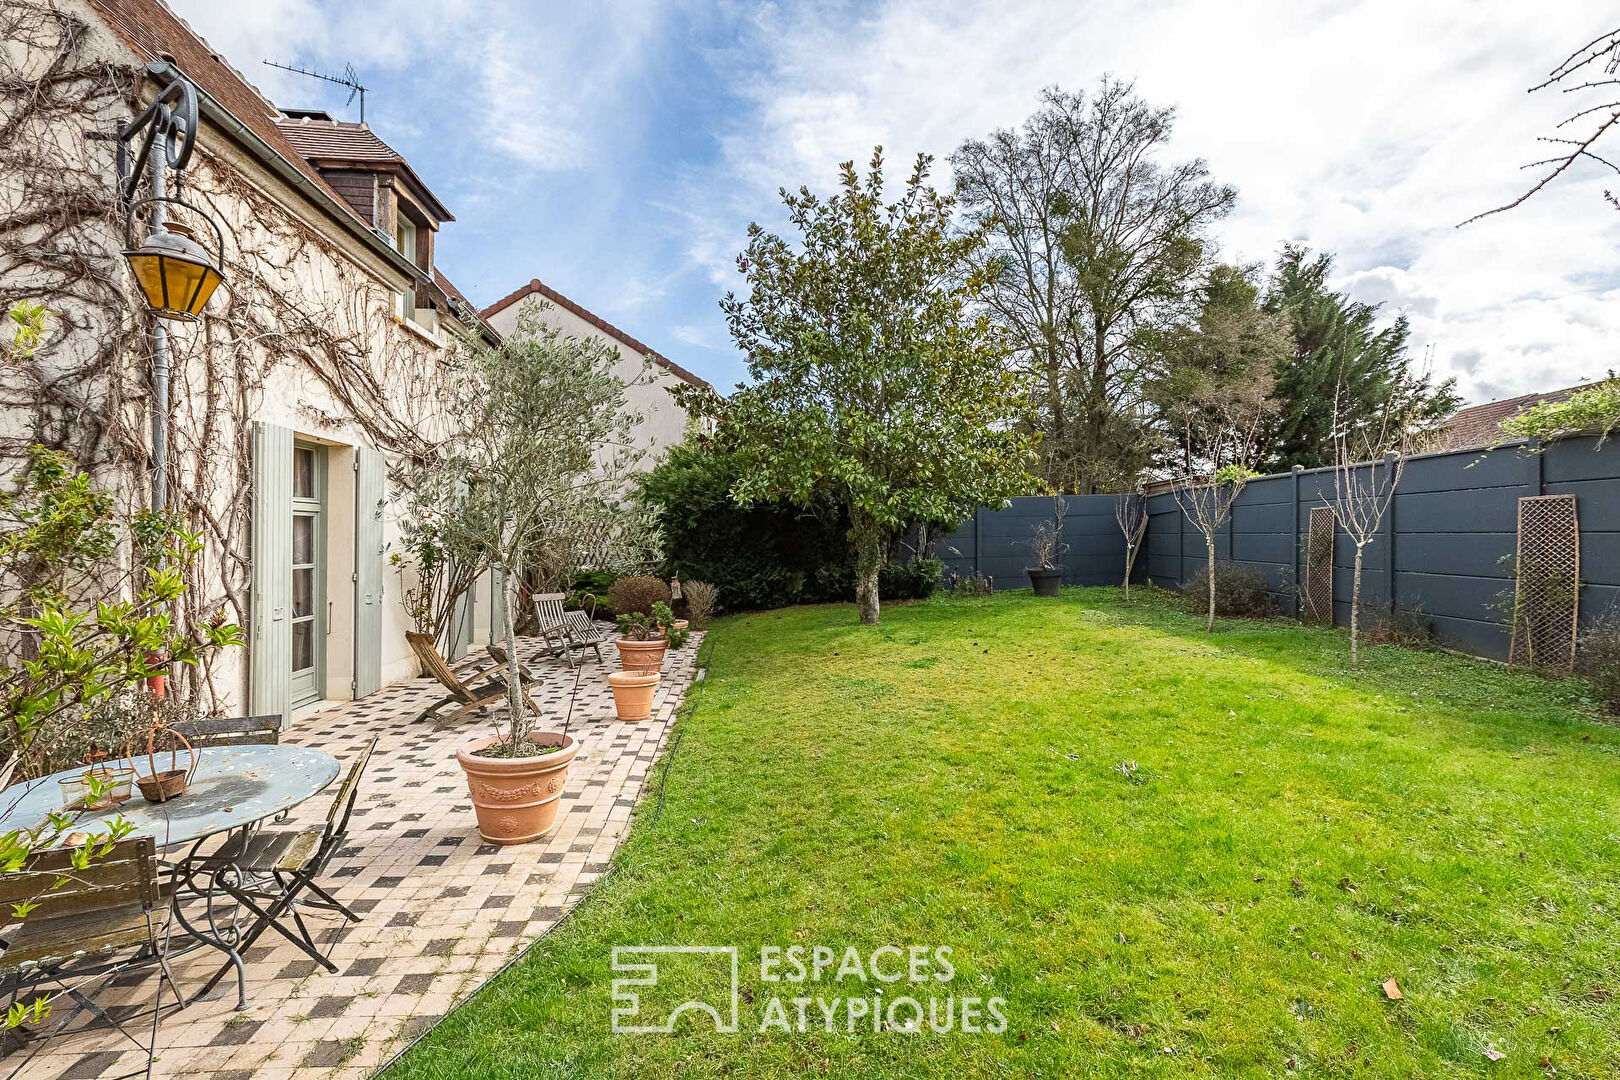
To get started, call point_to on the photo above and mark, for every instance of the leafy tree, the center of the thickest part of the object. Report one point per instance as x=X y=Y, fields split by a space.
x=1226 y=351
x=873 y=380
x=1340 y=355
x=1094 y=242
x=546 y=451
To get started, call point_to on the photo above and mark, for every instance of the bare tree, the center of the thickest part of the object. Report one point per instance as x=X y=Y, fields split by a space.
x=1592 y=71
x=1130 y=510
x=1363 y=488
x=1223 y=432
x=1094 y=237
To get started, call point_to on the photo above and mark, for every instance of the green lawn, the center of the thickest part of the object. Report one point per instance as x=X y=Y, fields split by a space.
x=1292 y=833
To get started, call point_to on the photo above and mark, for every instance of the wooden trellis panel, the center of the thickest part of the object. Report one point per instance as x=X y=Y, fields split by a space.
x=1319 y=566
x=1547 y=576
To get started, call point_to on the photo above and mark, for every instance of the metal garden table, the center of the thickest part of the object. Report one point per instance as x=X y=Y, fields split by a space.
x=234 y=789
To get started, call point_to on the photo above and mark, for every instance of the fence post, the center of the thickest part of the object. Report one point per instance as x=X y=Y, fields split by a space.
x=1538 y=473
x=1299 y=607
x=1390 y=457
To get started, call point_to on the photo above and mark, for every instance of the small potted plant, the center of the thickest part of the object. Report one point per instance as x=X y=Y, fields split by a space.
x=1045 y=547
x=644 y=639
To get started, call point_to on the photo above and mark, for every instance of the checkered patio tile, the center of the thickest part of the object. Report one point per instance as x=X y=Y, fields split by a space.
x=441 y=910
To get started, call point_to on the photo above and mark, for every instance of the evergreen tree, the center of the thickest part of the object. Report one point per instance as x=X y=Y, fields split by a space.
x=1339 y=352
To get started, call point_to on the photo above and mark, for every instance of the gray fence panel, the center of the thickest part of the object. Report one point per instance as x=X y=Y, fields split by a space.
x=1453 y=525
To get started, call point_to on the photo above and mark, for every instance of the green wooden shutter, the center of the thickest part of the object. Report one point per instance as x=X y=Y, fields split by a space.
x=270 y=603
x=369 y=496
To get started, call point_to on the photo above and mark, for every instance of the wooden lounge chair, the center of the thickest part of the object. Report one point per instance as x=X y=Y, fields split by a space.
x=558 y=631
x=470 y=697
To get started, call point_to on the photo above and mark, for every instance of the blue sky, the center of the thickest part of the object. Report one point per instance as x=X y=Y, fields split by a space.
x=618 y=151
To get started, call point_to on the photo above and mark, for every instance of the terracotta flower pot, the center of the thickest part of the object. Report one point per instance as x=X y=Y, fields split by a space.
x=642 y=657
x=633 y=693
x=516 y=799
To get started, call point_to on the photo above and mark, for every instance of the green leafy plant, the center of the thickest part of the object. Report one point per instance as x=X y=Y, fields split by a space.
x=1592 y=411
x=878 y=381
x=640 y=626
x=1598 y=658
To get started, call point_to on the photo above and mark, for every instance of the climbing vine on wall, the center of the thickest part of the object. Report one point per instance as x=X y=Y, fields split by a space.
x=296 y=307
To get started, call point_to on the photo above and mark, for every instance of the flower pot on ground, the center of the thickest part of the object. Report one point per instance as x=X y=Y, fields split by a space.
x=1046 y=548
x=1045 y=580
x=633 y=693
x=516 y=797
x=644 y=639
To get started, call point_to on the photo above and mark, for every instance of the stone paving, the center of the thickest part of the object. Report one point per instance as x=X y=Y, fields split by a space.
x=442 y=911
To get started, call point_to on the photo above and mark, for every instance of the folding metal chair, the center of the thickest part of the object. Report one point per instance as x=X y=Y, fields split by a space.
x=89 y=924
x=272 y=873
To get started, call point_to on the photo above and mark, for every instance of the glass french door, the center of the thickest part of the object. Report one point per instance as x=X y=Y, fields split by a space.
x=308 y=574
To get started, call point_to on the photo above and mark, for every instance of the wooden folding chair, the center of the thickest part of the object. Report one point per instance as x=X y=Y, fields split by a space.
x=232 y=731
x=557 y=629
x=469 y=697
x=90 y=925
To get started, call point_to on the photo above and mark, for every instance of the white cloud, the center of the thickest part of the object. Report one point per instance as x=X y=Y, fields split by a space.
x=1367 y=130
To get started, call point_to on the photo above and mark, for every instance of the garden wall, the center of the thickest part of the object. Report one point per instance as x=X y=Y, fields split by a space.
x=995 y=542
x=1452 y=532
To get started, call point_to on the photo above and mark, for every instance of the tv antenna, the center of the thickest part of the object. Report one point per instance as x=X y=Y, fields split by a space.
x=349 y=77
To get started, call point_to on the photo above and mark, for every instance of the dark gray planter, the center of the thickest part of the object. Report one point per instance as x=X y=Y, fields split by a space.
x=1045 y=582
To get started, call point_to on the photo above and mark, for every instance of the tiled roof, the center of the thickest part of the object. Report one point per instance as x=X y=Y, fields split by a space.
x=156 y=33
x=536 y=287
x=336 y=139
x=334 y=143
x=1481 y=425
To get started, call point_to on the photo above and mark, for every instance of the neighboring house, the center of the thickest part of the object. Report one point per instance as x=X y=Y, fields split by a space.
x=1481 y=425
x=648 y=375
x=318 y=367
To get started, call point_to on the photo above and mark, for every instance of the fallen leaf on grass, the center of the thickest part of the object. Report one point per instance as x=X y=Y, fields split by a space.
x=1392 y=989
x=1494 y=1054
x=1347 y=885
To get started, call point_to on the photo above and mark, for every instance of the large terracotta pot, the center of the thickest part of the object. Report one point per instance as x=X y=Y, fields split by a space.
x=633 y=693
x=516 y=798
x=642 y=657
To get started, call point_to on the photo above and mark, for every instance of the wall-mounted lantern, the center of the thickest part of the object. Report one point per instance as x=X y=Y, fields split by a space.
x=176 y=274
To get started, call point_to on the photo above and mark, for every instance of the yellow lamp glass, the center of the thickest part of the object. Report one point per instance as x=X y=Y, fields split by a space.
x=175 y=274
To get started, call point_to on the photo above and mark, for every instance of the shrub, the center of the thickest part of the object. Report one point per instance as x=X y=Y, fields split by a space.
x=914 y=579
x=973 y=585
x=700 y=602
x=637 y=593
x=1598 y=658
x=767 y=556
x=1408 y=627
x=1240 y=592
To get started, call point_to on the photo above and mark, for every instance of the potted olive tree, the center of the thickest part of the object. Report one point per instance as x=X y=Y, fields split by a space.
x=546 y=447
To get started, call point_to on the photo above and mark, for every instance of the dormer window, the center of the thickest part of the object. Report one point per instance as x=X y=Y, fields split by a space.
x=405 y=237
